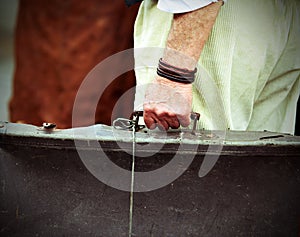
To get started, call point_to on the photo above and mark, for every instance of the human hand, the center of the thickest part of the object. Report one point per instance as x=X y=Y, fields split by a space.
x=167 y=104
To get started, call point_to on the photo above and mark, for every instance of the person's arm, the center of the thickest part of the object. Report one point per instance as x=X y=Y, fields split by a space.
x=168 y=103
x=189 y=33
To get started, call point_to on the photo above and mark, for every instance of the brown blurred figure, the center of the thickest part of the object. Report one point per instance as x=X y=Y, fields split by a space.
x=56 y=44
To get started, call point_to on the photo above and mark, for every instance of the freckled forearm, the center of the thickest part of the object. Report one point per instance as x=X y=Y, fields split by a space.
x=188 y=35
x=185 y=42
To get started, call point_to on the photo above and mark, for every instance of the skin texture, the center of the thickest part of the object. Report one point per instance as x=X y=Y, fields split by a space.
x=168 y=104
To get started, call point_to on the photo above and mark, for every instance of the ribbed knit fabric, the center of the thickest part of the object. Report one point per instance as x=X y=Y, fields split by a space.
x=249 y=70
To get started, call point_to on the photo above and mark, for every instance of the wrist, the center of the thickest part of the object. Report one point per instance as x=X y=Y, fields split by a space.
x=176 y=74
x=175 y=85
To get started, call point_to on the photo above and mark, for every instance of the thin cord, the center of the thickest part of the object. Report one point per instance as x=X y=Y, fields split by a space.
x=132 y=183
x=122 y=124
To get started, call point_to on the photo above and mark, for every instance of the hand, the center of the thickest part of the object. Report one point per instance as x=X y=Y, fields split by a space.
x=167 y=104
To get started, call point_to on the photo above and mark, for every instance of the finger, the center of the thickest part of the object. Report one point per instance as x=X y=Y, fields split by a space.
x=149 y=119
x=150 y=122
x=163 y=118
x=167 y=119
x=184 y=120
x=174 y=124
x=163 y=125
x=173 y=121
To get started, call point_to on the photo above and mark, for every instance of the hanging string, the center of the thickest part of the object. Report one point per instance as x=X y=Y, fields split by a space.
x=122 y=124
x=132 y=184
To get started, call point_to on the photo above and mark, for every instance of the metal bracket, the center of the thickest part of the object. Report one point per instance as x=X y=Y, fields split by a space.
x=135 y=116
x=195 y=117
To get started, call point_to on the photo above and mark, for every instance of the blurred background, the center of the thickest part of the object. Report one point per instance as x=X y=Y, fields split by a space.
x=8 y=13
x=47 y=49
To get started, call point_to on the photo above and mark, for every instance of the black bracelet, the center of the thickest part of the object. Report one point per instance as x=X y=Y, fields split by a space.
x=181 y=75
x=183 y=70
x=185 y=80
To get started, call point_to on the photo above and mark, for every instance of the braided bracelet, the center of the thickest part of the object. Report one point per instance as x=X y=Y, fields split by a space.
x=181 y=75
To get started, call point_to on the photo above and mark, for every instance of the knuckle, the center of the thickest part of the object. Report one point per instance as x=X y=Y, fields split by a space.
x=147 y=109
x=184 y=120
x=165 y=113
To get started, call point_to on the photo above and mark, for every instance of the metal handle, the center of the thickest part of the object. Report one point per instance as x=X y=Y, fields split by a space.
x=135 y=116
x=195 y=117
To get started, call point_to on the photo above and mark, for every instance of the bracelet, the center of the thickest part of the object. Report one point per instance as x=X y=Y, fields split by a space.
x=181 y=75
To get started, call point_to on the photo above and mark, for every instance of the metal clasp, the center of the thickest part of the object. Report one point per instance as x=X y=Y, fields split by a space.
x=135 y=117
